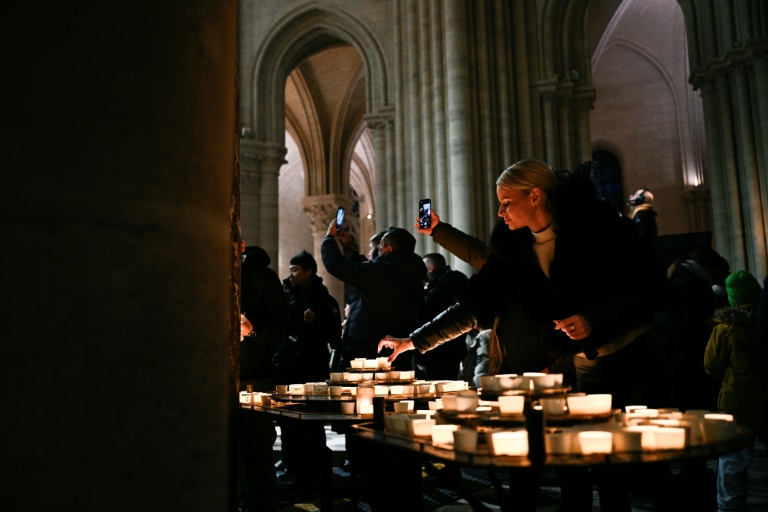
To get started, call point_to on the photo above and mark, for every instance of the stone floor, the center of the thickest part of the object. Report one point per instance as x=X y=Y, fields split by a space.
x=438 y=498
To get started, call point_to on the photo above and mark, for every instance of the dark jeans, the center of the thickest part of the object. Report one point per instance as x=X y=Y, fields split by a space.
x=258 y=483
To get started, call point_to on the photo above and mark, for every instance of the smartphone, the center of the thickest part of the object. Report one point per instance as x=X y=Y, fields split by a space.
x=425 y=213
x=339 y=218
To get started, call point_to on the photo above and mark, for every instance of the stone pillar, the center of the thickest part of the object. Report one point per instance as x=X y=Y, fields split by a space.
x=250 y=182
x=699 y=211
x=380 y=125
x=547 y=90
x=459 y=122
x=583 y=102
x=119 y=256
x=260 y=165
x=321 y=211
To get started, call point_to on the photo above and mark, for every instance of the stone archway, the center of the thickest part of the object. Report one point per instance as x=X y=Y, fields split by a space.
x=292 y=39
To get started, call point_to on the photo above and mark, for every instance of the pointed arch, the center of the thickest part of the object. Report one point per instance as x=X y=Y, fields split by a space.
x=294 y=37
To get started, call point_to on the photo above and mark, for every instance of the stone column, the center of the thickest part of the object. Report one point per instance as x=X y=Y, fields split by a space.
x=119 y=256
x=260 y=164
x=321 y=211
x=380 y=125
x=459 y=122
x=583 y=102
x=250 y=182
x=547 y=90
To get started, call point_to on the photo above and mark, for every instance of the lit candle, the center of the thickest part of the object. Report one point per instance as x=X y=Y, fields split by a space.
x=510 y=443
x=595 y=441
x=443 y=434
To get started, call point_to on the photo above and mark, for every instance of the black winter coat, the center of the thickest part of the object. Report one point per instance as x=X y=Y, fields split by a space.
x=601 y=269
x=263 y=302
x=683 y=325
x=304 y=356
x=441 y=293
x=391 y=295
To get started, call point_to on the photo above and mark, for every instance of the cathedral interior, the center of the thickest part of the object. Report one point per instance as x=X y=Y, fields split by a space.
x=142 y=142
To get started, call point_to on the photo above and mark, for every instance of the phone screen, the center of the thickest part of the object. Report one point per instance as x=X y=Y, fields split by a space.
x=425 y=213
x=339 y=218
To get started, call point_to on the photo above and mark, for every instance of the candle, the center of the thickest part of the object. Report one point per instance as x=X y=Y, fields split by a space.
x=511 y=404
x=595 y=441
x=443 y=434
x=420 y=426
x=510 y=443
x=364 y=398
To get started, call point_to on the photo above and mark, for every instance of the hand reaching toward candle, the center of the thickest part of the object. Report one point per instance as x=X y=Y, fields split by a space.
x=399 y=345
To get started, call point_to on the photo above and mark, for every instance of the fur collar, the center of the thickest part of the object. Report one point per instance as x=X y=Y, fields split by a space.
x=746 y=316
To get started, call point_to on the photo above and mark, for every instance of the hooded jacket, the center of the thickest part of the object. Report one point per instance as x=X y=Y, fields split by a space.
x=733 y=358
x=263 y=302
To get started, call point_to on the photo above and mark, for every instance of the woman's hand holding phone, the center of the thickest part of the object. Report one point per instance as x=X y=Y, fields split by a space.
x=435 y=220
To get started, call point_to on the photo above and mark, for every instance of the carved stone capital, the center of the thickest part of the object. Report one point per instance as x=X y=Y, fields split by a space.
x=546 y=89
x=584 y=99
x=322 y=209
x=249 y=179
x=261 y=157
x=380 y=121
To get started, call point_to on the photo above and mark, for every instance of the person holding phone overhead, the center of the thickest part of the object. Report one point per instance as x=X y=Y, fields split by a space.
x=390 y=290
x=572 y=264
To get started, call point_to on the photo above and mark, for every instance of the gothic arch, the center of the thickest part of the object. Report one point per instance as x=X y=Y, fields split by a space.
x=293 y=37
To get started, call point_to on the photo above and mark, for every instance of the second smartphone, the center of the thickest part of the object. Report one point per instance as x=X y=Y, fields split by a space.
x=425 y=213
x=339 y=219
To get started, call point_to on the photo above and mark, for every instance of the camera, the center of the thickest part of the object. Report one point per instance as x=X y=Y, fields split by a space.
x=639 y=198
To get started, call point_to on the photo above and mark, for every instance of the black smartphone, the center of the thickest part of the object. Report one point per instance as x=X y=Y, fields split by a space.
x=339 y=218
x=425 y=213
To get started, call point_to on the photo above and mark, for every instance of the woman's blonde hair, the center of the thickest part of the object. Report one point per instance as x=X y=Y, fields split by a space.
x=527 y=174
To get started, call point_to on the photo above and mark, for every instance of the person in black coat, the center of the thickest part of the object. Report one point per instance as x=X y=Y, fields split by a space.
x=643 y=214
x=315 y=322
x=265 y=306
x=683 y=324
x=264 y=310
x=443 y=283
x=586 y=279
x=762 y=323
x=391 y=291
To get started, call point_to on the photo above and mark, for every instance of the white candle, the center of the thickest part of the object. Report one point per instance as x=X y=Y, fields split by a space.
x=510 y=443
x=443 y=434
x=595 y=441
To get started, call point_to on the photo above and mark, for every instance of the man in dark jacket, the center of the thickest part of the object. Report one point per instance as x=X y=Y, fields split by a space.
x=315 y=322
x=643 y=214
x=263 y=303
x=442 y=284
x=391 y=288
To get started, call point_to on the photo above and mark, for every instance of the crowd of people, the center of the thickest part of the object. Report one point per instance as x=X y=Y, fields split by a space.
x=566 y=284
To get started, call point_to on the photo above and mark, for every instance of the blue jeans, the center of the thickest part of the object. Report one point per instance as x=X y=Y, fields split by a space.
x=732 y=473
